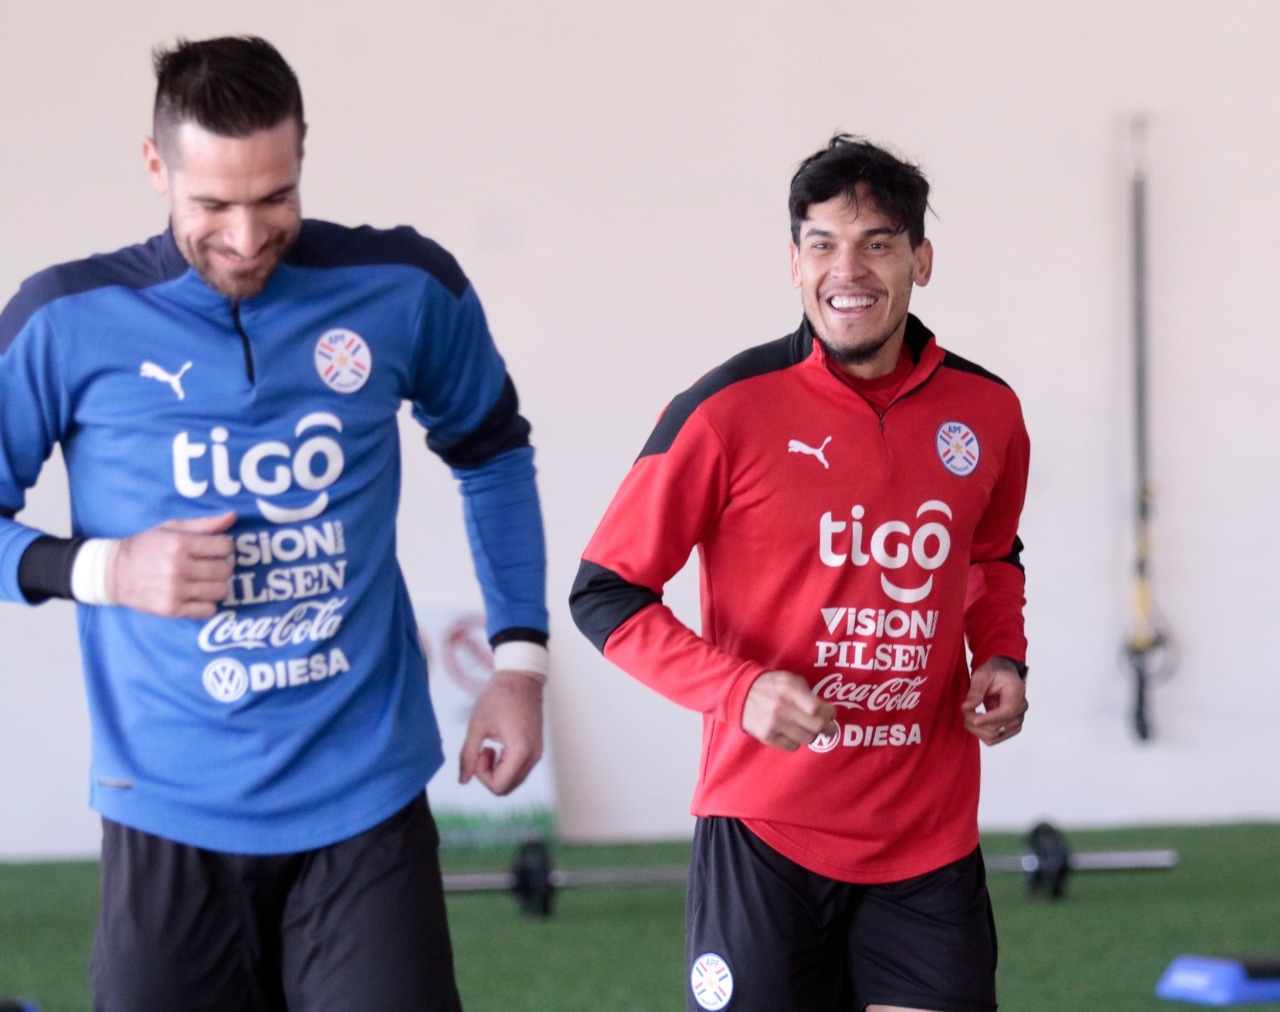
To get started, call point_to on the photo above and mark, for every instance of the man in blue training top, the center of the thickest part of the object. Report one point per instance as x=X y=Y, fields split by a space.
x=225 y=396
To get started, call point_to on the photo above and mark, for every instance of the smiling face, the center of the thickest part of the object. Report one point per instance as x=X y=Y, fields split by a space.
x=855 y=269
x=233 y=201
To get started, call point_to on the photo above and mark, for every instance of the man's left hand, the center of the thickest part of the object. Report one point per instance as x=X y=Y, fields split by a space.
x=509 y=712
x=998 y=689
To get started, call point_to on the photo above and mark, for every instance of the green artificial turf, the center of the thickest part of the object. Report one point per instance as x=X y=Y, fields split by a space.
x=602 y=948
x=1103 y=947
x=46 y=926
x=1106 y=944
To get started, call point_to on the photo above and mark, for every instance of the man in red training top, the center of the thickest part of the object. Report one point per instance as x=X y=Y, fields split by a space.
x=853 y=492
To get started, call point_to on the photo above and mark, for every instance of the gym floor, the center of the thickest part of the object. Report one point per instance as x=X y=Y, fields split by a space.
x=1103 y=945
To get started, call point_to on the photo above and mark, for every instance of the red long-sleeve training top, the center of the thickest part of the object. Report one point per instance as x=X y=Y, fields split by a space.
x=860 y=550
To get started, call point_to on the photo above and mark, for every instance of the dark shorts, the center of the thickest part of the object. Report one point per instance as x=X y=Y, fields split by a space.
x=764 y=933
x=356 y=925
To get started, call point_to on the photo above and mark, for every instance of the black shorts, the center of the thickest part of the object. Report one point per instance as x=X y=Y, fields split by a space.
x=764 y=933
x=359 y=924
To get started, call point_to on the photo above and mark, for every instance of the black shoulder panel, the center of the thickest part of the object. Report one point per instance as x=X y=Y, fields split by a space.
x=950 y=360
x=601 y=600
x=139 y=266
x=502 y=429
x=765 y=358
x=915 y=337
x=324 y=244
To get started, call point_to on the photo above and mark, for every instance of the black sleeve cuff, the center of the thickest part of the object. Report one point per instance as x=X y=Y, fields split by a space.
x=44 y=570
x=520 y=634
x=1022 y=668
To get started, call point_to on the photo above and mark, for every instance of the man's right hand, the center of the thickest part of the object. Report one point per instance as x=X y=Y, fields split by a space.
x=180 y=569
x=783 y=712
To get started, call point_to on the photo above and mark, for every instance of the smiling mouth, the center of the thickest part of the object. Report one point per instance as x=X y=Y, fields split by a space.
x=852 y=301
x=241 y=261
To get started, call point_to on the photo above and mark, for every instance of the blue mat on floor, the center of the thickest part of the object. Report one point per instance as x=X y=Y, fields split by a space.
x=1211 y=980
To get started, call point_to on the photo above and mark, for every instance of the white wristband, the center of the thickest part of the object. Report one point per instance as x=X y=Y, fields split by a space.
x=89 y=570
x=522 y=655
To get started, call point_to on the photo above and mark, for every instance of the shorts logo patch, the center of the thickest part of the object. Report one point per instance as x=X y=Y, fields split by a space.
x=343 y=360
x=958 y=448
x=226 y=680
x=712 y=981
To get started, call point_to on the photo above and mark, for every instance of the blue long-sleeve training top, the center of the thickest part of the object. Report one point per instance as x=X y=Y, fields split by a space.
x=299 y=714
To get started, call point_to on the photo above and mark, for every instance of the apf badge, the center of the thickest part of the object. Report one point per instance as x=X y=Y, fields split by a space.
x=958 y=448
x=712 y=981
x=343 y=360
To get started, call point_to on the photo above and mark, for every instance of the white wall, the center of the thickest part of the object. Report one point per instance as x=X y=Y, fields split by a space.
x=613 y=179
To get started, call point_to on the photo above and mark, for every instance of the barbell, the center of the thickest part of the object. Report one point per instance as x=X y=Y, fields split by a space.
x=1047 y=863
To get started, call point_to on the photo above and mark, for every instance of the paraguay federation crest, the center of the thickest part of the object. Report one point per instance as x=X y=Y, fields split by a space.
x=958 y=448
x=343 y=360
x=712 y=981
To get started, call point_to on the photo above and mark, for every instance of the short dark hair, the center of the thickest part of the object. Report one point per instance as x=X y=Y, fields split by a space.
x=898 y=188
x=232 y=86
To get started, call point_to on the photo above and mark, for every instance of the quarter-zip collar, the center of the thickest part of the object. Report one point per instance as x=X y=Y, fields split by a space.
x=173 y=264
x=918 y=340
